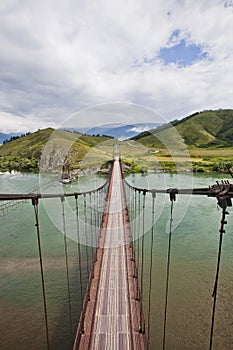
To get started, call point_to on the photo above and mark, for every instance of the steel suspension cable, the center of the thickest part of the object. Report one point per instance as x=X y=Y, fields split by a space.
x=97 y=209
x=138 y=243
x=134 y=232
x=79 y=248
x=92 y=223
x=172 y=199
x=131 y=217
x=36 y=210
x=151 y=266
x=214 y=295
x=67 y=263
x=91 y=230
x=131 y=193
x=85 y=232
x=95 y=223
x=100 y=214
x=135 y=214
x=142 y=321
x=98 y=222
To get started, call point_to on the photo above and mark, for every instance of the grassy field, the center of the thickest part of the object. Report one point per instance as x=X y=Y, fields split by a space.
x=47 y=150
x=202 y=141
x=187 y=159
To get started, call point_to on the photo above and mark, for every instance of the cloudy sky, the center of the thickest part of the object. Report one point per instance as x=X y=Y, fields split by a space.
x=60 y=57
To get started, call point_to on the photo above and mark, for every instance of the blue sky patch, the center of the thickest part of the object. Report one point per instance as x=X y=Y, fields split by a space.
x=182 y=54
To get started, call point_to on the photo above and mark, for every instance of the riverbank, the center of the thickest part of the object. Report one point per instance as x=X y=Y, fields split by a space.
x=135 y=160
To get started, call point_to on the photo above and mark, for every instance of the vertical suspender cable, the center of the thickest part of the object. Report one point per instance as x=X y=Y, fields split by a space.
x=130 y=217
x=35 y=205
x=142 y=322
x=90 y=222
x=134 y=233
x=135 y=215
x=95 y=223
x=151 y=265
x=79 y=250
x=92 y=234
x=214 y=295
x=66 y=260
x=85 y=232
x=172 y=199
x=100 y=211
x=131 y=195
x=138 y=243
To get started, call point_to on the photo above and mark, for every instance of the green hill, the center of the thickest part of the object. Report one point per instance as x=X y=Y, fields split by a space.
x=204 y=138
x=208 y=129
x=24 y=153
x=202 y=141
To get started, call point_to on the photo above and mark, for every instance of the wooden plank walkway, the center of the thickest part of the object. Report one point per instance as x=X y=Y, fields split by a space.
x=112 y=317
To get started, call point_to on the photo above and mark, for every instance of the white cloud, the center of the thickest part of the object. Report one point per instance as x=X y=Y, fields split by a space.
x=139 y=129
x=60 y=56
x=11 y=123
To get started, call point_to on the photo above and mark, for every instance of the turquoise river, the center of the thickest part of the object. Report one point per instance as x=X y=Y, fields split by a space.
x=193 y=264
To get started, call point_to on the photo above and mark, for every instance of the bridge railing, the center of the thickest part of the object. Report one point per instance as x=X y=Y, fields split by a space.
x=81 y=325
x=139 y=216
x=81 y=213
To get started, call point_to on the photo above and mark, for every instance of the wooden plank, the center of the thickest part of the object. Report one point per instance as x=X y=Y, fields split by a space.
x=111 y=319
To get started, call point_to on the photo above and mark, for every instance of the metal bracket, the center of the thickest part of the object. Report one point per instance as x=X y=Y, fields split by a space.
x=223 y=192
x=172 y=192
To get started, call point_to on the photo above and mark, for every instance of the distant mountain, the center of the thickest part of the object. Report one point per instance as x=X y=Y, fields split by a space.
x=207 y=129
x=4 y=137
x=120 y=132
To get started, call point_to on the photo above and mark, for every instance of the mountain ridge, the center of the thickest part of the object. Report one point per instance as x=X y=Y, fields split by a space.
x=206 y=129
x=118 y=131
x=8 y=136
x=24 y=153
x=208 y=136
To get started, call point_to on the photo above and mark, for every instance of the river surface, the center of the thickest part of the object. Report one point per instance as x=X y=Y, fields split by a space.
x=193 y=264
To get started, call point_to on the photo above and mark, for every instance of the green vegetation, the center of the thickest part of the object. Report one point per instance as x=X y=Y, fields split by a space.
x=200 y=142
x=49 y=146
x=201 y=129
x=207 y=136
x=12 y=138
x=130 y=166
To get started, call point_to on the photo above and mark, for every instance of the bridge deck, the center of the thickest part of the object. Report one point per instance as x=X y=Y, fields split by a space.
x=112 y=316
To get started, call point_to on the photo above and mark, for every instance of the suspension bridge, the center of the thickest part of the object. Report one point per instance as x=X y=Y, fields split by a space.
x=113 y=314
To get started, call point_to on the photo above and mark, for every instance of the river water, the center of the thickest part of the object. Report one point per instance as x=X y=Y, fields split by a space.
x=193 y=263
